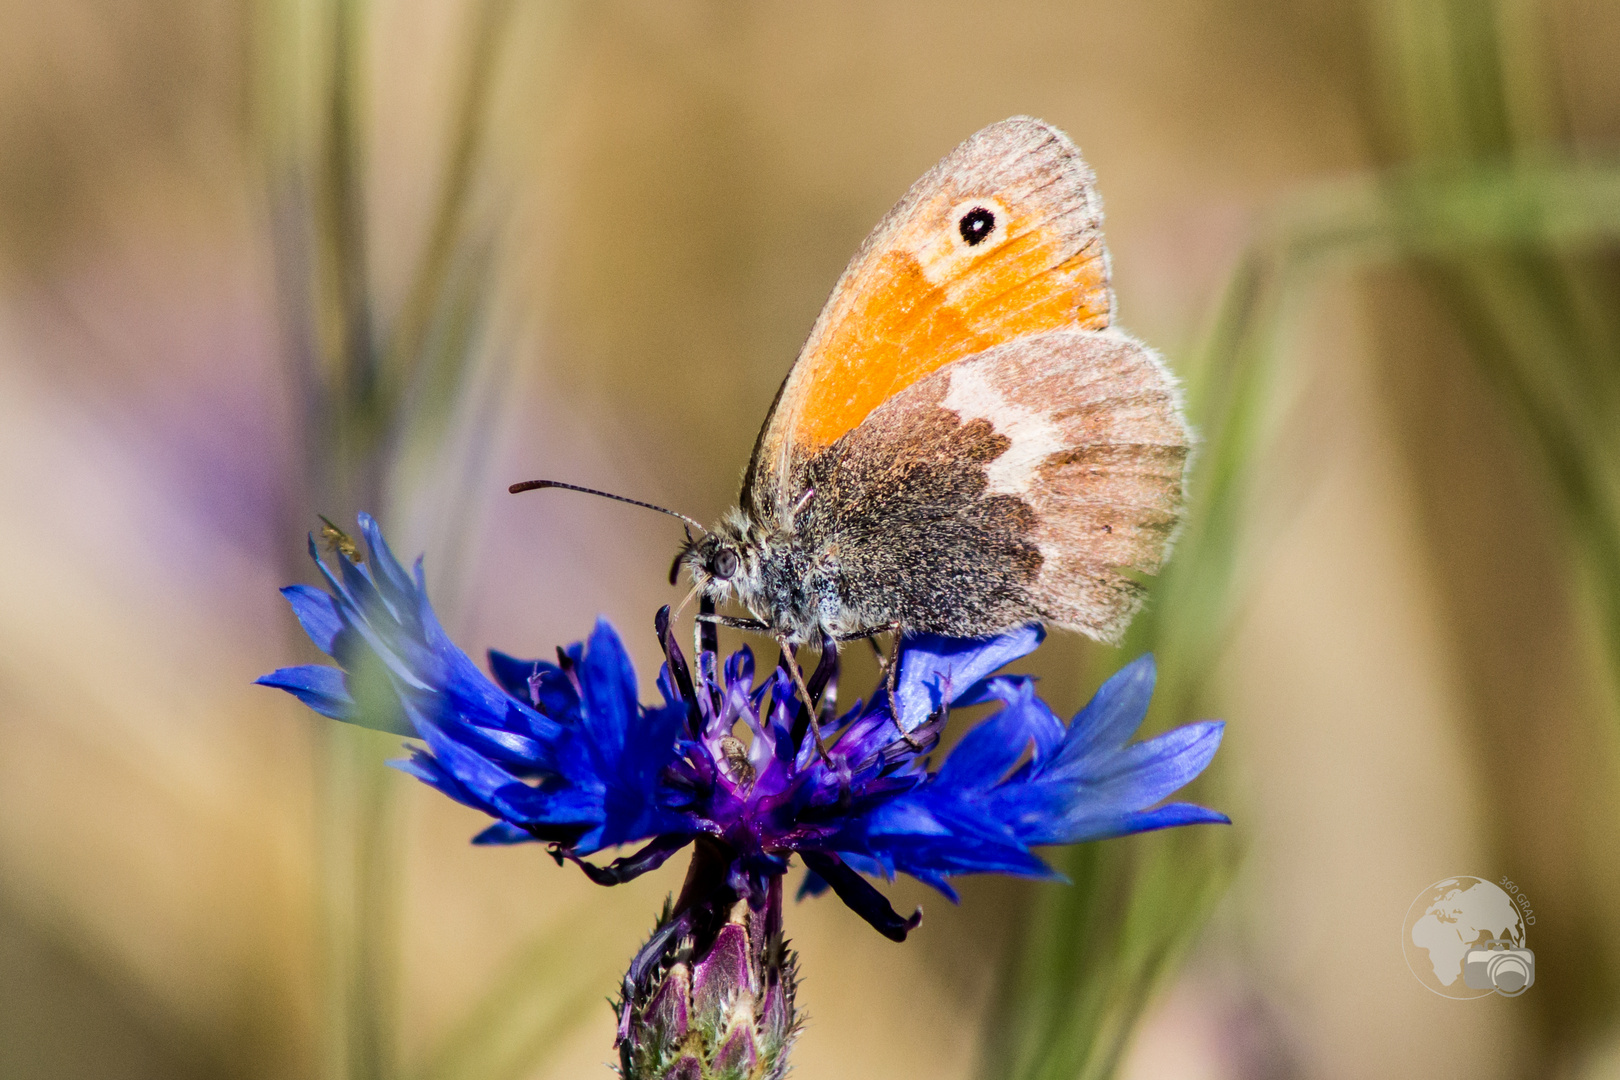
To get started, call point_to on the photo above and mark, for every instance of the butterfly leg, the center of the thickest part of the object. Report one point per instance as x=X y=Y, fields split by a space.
x=887 y=663
x=804 y=696
x=891 y=674
x=705 y=624
x=889 y=671
x=891 y=666
x=734 y=622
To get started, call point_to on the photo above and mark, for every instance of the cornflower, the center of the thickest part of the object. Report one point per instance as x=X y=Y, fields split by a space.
x=567 y=755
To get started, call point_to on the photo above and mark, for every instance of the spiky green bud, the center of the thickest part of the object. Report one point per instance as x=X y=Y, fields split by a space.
x=710 y=997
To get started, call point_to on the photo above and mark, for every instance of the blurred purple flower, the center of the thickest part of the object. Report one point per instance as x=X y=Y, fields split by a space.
x=566 y=754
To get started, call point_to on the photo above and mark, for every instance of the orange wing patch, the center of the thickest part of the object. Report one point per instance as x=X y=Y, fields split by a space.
x=905 y=326
x=1000 y=241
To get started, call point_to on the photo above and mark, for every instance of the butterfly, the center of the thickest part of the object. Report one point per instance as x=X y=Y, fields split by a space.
x=965 y=444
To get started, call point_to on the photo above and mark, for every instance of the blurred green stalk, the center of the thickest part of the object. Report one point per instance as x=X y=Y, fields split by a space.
x=1497 y=231
x=374 y=399
x=1470 y=94
x=1474 y=88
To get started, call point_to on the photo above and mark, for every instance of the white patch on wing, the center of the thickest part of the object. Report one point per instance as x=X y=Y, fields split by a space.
x=1034 y=437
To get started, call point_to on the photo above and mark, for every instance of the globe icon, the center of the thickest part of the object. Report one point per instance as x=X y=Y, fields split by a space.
x=1450 y=918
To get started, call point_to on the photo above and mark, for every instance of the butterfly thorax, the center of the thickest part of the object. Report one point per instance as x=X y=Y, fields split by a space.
x=773 y=573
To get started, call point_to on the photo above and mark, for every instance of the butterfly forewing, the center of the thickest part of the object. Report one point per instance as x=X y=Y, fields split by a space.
x=1000 y=241
x=965 y=444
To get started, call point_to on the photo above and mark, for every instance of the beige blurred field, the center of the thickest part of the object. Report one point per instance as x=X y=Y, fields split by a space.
x=1415 y=684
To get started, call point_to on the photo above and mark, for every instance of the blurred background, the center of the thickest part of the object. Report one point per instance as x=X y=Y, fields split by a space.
x=263 y=261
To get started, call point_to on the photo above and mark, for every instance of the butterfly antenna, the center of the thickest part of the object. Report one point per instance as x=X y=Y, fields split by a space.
x=536 y=485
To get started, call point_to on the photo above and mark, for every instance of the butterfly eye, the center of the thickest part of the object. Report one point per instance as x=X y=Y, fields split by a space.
x=724 y=565
x=977 y=224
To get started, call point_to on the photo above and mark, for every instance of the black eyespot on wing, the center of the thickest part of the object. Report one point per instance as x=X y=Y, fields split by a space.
x=724 y=565
x=976 y=224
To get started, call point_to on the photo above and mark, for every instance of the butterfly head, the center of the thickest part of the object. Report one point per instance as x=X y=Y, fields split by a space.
x=723 y=563
x=764 y=566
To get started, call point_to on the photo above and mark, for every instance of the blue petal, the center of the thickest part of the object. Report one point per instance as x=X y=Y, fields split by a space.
x=1143 y=773
x=934 y=669
x=1163 y=817
x=983 y=813
x=989 y=751
x=394 y=585
x=472 y=770
x=1116 y=711
x=503 y=833
x=535 y=681
x=934 y=829
x=632 y=809
x=317 y=614
x=428 y=769
x=609 y=686
x=320 y=687
x=740 y=668
x=1111 y=793
x=513 y=674
x=1047 y=730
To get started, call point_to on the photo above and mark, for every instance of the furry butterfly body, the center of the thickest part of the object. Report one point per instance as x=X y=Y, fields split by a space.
x=964 y=445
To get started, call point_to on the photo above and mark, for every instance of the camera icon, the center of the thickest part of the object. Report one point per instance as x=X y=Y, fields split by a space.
x=1497 y=965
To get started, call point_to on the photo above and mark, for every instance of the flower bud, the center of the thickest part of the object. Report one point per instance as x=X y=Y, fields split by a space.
x=710 y=997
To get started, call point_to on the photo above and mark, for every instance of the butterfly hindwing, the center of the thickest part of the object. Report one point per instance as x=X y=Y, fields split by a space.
x=999 y=241
x=1026 y=483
